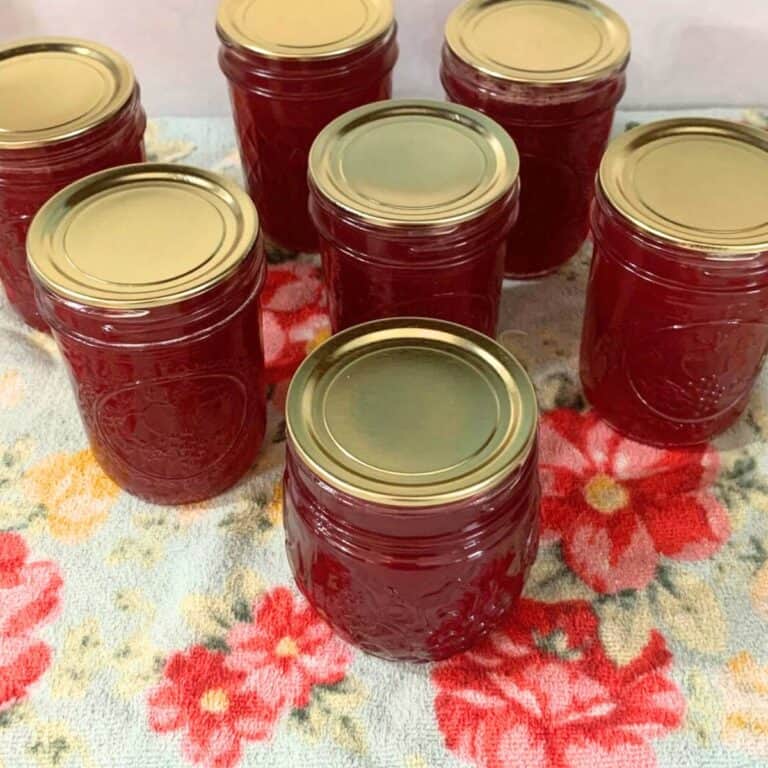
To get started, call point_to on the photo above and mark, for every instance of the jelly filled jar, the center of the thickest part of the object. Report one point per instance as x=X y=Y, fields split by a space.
x=414 y=201
x=293 y=66
x=411 y=486
x=676 y=326
x=68 y=108
x=149 y=276
x=551 y=72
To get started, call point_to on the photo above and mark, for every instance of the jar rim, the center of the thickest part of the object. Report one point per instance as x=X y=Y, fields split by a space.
x=281 y=31
x=700 y=184
x=141 y=236
x=411 y=412
x=54 y=89
x=539 y=43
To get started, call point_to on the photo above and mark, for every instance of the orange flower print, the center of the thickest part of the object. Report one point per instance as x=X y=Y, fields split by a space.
x=75 y=493
x=11 y=389
x=746 y=705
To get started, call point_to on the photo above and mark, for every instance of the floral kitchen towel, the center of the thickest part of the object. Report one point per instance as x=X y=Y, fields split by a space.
x=138 y=636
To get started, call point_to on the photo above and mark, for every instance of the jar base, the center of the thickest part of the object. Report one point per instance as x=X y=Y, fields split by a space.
x=425 y=656
x=665 y=444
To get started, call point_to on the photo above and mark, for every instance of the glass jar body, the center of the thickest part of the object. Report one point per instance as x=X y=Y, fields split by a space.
x=280 y=106
x=452 y=273
x=29 y=177
x=411 y=584
x=561 y=132
x=673 y=339
x=172 y=398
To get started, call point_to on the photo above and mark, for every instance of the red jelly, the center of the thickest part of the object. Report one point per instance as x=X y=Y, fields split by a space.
x=675 y=331
x=551 y=72
x=294 y=66
x=413 y=201
x=150 y=276
x=411 y=486
x=68 y=108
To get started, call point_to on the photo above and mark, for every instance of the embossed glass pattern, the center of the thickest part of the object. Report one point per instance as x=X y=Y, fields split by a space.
x=67 y=109
x=160 y=329
x=675 y=331
x=413 y=201
x=551 y=73
x=411 y=486
x=292 y=69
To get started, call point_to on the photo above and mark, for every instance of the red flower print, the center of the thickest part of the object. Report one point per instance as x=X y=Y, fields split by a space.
x=543 y=694
x=294 y=317
x=206 y=699
x=287 y=650
x=617 y=505
x=29 y=597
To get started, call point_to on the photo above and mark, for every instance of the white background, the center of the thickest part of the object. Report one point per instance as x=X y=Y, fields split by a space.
x=685 y=52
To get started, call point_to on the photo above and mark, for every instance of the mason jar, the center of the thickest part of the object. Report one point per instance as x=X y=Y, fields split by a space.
x=675 y=331
x=68 y=108
x=149 y=276
x=411 y=485
x=292 y=67
x=414 y=201
x=551 y=72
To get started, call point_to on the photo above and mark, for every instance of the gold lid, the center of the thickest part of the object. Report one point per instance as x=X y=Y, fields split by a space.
x=411 y=412
x=541 y=42
x=54 y=89
x=414 y=162
x=695 y=182
x=303 y=29
x=141 y=236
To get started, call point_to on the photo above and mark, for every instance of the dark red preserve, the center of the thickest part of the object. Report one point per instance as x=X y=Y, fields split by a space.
x=149 y=276
x=411 y=485
x=294 y=66
x=68 y=108
x=551 y=72
x=414 y=201
x=675 y=330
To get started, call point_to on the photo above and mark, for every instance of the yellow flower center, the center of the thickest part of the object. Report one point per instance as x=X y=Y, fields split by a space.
x=215 y=701
x=605 y=495
x=287 y=648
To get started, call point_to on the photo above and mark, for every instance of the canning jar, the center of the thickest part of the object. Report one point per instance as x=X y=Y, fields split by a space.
x=68 y=108
x=551 y=72
x=675 y=331
x=413 y=201
x=411 y=485
x=293 y=66
x=149 y=276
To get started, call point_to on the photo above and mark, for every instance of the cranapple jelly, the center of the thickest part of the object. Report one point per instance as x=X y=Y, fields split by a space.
x=68 y=108
x=293 y=66
x=413 y=201
x=411 y=485
x=149 y=276
x=676 y=325
x=551 y=72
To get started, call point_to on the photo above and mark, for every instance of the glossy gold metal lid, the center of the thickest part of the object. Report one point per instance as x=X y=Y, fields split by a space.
x=697 y=183
x=414 y=162
x=411 y=412
x=54 y=89
x=303 y=29
x=541 y=42
x=141 y=236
